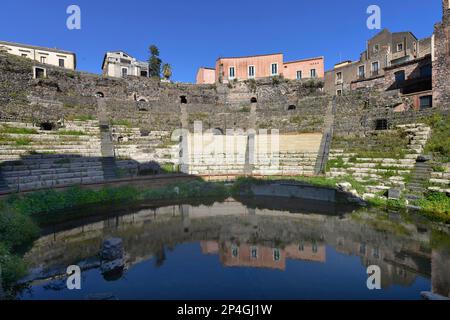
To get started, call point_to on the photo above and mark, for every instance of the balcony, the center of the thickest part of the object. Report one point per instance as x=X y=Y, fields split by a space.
x=375 y=73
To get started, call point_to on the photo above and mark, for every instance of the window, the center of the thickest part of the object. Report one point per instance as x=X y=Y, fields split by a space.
x=314 y=248
x=425 y=71
x=376 y=48
x=61 y=63
x=124 y=72
x=43 y=59
x=339 y=92
x=339 y=76
x=361 y=72
x=362 y=249
x=276 y=255
x=183 y=100
x=301 y=247
x=231 y=73
x=375 y=68
x=299 y=75
x=399 y=47
x=24 y=55
x=39 y=73
x=274 y=69
x=399 y=76
x=381 y=124
x=251 y=71
x=144 y=74
x=235 y=251
x=313 y=73
x=254 y=253
x=426 y=102
x=292 y=107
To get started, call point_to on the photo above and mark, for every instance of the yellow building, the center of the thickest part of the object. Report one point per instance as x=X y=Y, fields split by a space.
x=55 y=57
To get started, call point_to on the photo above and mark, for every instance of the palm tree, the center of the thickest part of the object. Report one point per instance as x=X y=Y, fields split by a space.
x=167 y=71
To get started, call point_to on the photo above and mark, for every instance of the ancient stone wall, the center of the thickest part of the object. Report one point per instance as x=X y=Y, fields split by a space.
x=441 y=61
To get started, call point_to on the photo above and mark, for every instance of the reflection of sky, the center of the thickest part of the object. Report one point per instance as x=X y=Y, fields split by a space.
x=189 y=274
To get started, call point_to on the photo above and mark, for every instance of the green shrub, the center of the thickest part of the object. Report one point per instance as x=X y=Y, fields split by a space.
x=16 y=229
x=436 y=205
x=22 y=141
x=12 y=267
x=439 y=142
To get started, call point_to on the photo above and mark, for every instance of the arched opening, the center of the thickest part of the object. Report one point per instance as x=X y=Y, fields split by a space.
x=292 y=107
x=47 y=126
x=142 y=100
x=218 y=132
x=99 y=94
x=253 y=100
x=183 y=100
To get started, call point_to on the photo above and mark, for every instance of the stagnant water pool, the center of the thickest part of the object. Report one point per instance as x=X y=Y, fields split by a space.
x=264 y=248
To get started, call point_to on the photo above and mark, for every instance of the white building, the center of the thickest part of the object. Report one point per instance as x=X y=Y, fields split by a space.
x=55 y=57
x=120 y=64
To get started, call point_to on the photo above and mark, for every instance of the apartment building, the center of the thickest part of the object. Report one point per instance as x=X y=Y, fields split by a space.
x=119 y=64
x=384 y=50
x=50 y=56
x=260 y=66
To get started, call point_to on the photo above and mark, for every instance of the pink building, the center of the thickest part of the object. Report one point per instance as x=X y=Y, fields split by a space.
x=206 y=75
x=261 y=66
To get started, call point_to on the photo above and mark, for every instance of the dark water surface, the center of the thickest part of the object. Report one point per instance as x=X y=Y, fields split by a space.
x=264 y=248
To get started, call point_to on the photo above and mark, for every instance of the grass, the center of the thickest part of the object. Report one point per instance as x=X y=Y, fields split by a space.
x=439 y=142
x=83 y=117
x=22 y=141
x=389 y=144
x=435 y=205
x=71 y=133
x=170 y=168
x=51 y=201
x=244 y=109
x=13 y=130
x=122 y=122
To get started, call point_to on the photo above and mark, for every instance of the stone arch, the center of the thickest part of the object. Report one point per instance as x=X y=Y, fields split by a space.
x=253 y=100
x=292 y=107
x=142 y=99
x=218 y=132
x=99 y=94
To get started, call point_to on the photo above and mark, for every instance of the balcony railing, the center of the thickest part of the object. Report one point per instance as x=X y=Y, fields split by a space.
x=375 y=73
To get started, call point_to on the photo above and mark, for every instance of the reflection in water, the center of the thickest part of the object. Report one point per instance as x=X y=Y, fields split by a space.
x=236 y=250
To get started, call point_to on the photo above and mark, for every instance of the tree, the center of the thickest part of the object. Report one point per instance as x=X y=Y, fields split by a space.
x=154 y=62
x=167 y=71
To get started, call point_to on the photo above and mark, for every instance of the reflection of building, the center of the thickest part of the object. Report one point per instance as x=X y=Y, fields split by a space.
x=55 y=57
x=120 y=64
x=259 y=256
x=440 y=272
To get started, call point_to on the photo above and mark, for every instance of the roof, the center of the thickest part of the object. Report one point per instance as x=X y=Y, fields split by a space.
x=307 y=59
x=208 y=68
x=412 y=61
x=252 y=56
x=36 y=47
x=120 y=51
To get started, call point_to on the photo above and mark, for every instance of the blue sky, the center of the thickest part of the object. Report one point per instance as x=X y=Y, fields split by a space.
x=193 y=33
